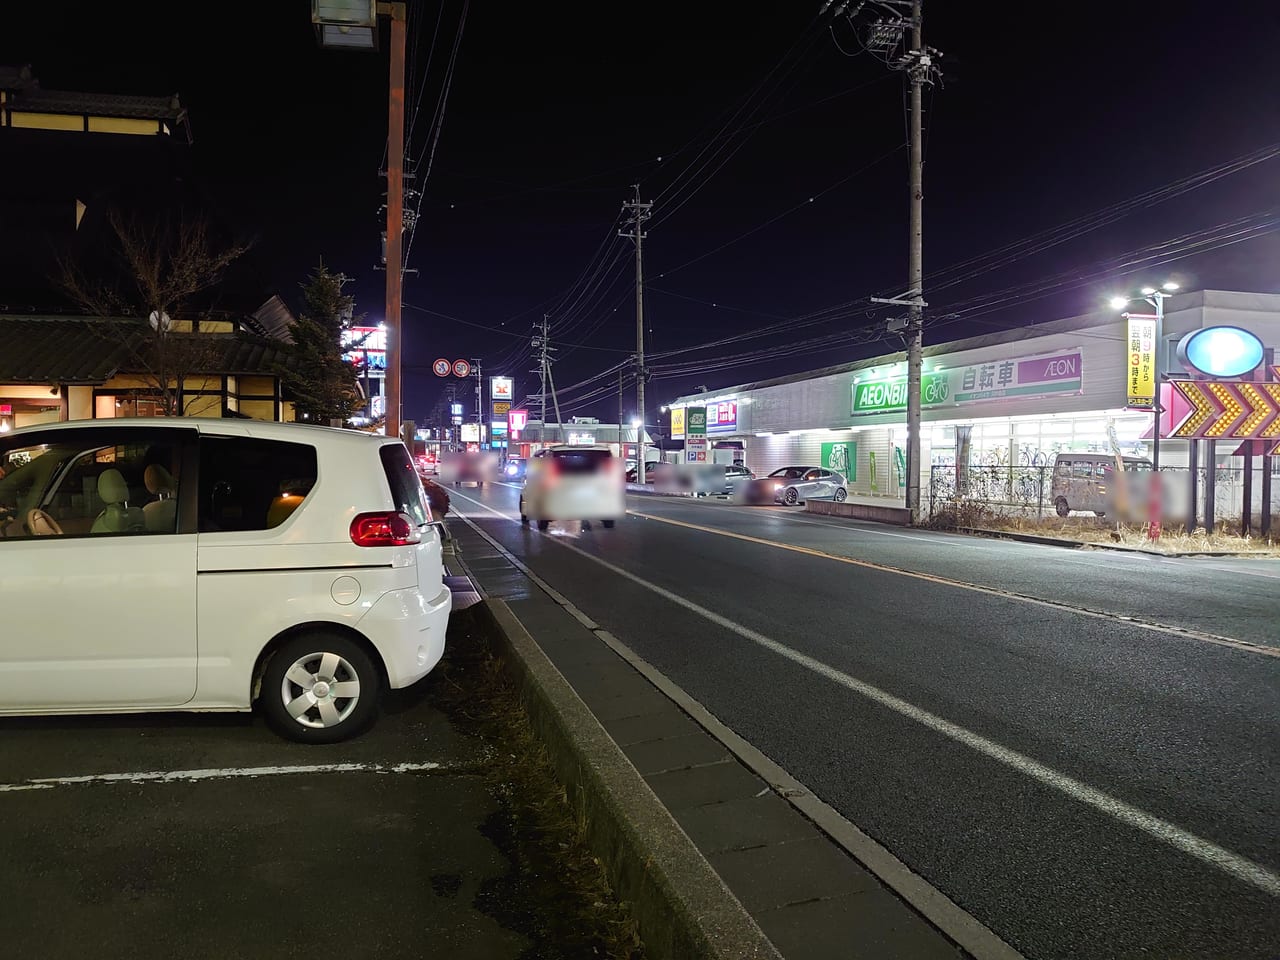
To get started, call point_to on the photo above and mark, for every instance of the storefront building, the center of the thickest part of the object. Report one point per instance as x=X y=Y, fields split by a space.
x=1016 y=397
x=68 y=368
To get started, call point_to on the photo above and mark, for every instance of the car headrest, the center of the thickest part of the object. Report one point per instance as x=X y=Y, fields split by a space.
x=157 y=479
x=112 y=488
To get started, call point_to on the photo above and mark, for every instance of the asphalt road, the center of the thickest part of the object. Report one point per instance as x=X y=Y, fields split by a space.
x=206 y=836
x=1084 y=784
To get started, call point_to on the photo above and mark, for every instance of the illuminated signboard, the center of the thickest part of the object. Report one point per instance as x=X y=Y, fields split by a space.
x=677 y=423
x=363 y=345
x=500 y=388
x=518 y=420
x=1220 y=351
x=722 y=417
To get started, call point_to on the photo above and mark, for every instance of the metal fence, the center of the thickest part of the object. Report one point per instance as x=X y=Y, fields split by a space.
x=1025 y=490
x=1004 y=488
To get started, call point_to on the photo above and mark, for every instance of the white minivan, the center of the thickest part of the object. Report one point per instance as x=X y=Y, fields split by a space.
x=188 y=564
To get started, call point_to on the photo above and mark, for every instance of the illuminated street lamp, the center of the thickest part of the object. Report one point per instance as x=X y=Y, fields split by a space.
x=1156 y=298
x=346 y=24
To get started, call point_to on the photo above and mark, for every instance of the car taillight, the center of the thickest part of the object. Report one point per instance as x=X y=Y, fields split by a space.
x=384 y=530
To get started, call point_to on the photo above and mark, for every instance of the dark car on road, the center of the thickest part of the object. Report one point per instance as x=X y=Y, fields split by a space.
x=515 y=468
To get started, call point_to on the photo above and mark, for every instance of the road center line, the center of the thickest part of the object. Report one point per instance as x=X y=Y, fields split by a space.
x=1232 y=864
x=974 y=587
x=219 y=773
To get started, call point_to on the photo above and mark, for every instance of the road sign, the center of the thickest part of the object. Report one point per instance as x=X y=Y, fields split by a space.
x=442 y=367
x=1228 y=410
x=461 y=368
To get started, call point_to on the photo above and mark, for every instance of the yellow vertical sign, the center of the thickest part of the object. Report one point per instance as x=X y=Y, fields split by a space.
x=677 y=422
x=1141 y=345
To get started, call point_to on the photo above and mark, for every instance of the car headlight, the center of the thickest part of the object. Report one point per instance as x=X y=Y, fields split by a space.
x=777 y=487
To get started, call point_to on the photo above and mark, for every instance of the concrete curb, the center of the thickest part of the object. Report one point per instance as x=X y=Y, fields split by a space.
x=1080 y=544
x=683 y=908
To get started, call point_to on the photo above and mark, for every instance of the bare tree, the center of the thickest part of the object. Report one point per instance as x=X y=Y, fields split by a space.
x=148 y=295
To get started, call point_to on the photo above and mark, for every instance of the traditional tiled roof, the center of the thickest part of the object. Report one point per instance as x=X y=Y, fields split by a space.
x=92 y=350
x=25 y=94
x=272 y=320
x=57 y=350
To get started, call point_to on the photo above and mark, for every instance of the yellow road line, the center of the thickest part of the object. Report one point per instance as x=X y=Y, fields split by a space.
x=974 y=587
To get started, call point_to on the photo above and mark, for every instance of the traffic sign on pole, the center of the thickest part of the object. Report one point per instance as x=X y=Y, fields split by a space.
x=461 y=368
x=442 y=367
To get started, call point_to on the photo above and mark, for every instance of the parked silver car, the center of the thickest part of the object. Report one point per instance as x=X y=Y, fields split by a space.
x=792 y=484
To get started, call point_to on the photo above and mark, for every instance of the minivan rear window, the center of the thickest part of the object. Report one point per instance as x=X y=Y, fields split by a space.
x=581 y=461
x=247 y=483
x=406 y=487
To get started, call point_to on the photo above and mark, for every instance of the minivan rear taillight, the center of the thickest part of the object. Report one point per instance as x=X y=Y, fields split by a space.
x=384 y=530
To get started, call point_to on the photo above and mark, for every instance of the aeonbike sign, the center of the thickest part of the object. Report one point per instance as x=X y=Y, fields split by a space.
x=1054 y=374
x=876 y=396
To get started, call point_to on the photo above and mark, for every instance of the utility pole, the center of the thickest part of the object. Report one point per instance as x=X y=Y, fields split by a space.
x=918 y=74
x=622 y=444
x=541 y=337
x=343 y=26
x=479 y=404
x=640 y=212
x=395 y=213
x=919 y=63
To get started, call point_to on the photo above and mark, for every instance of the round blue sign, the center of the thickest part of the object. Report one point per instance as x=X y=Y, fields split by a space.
x=1220 y=351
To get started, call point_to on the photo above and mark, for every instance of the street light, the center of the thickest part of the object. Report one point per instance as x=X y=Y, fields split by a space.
x=1156 y=298
x=353 y=25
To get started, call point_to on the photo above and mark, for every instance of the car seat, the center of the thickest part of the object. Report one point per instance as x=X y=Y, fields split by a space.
x=161 y=514
x=118 y=517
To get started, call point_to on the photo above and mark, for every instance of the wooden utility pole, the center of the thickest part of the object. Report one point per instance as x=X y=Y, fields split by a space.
x=395 y=212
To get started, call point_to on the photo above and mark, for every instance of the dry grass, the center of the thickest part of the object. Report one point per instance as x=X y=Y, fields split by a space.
x=1173 y=539
x=556 y=893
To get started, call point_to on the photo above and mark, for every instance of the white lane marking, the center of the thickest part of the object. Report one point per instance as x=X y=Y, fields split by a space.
x=939 y=909
x=1205 y=851
x=217 y=773
x=1185 y=633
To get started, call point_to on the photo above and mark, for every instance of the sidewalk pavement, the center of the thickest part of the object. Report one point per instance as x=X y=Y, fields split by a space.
x=716 y=861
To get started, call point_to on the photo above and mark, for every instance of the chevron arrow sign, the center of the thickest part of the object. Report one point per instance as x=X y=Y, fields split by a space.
x=1229 y=410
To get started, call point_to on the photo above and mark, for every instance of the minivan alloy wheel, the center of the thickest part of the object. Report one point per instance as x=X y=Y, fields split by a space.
x=320 y=687
x=320 y=690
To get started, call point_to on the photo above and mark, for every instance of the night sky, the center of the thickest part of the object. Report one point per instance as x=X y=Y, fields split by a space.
x=556 y=109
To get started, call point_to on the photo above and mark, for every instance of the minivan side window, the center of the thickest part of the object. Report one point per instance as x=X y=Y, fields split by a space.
x=251 y=484
x=1082 y=469
x=1062 y=468
x=95 y=482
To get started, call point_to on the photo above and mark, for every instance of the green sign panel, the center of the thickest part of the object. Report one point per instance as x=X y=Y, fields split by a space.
x=695 y=423
x=881 y=396
x=842 y=457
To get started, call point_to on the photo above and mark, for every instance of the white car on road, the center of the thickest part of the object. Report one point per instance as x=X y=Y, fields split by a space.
x=186 y=564
x=573 y=483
